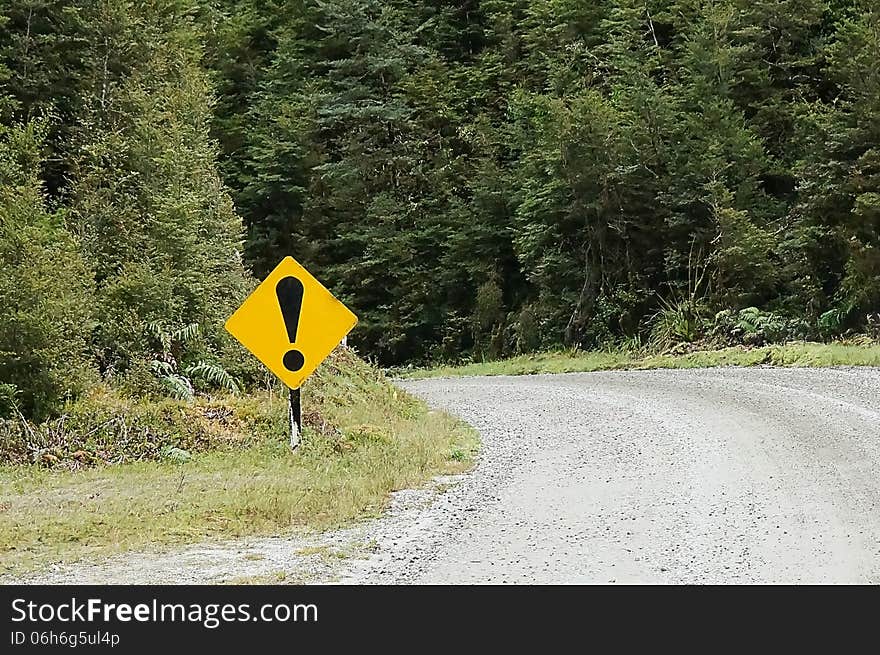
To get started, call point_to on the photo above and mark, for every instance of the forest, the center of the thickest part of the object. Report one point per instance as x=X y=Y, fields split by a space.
x=474 y=178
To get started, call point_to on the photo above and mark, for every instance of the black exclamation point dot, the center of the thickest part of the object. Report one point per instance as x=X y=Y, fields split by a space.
x=293 y=360
x=289 y=291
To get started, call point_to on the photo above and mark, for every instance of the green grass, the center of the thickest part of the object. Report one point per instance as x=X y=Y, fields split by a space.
x=364 y=439
x=791 y=354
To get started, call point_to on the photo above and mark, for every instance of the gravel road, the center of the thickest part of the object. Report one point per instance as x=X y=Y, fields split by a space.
x=680 y=476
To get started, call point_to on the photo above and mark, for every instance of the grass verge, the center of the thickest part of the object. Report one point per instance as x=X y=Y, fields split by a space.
x=804 y=354
x=363 y=439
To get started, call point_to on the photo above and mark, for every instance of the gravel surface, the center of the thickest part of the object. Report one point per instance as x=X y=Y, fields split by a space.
x=676 y=476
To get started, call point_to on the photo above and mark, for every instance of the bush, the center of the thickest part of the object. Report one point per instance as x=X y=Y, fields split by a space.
x=682 y=321
x=751 y=326
x=831 y=323
x=528 y=330
x=488 y=320
x=45 y=290
x=8 y=404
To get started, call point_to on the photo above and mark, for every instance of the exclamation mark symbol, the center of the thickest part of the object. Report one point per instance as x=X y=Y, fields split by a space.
x=290 y=298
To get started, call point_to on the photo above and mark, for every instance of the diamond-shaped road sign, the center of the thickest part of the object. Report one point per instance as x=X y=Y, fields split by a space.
x=291 y=322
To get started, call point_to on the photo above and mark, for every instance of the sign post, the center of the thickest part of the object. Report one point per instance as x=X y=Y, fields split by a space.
x=291 y=322
x=294 y=411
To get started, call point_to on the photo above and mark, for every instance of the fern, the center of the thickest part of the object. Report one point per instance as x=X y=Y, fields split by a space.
x=186 y=333
x=156 y=331
x=178 y=386
x=161 y=368
x=213 y=374
x=168 y=338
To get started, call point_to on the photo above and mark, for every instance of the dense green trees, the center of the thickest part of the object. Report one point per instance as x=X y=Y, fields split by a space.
x=839 y=204
x=114 y=223
x=44 y=287
x=482 y=177
x=476 y=177
x=144 y=192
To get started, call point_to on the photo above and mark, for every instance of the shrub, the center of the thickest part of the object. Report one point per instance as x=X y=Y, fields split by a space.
x=45 y=289
x=488 y=320
x=528 y=330
x=681 y=321
x=751 y=326
x=831 y=323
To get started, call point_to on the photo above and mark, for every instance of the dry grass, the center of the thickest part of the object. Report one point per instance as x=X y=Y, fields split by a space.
x=367 y=439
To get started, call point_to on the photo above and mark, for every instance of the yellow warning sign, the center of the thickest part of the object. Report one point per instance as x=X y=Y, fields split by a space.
x=291 y=322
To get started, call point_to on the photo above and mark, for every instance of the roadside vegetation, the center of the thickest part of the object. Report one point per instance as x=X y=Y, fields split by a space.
x=805 y=354
x=115 y=473
x=680 y=337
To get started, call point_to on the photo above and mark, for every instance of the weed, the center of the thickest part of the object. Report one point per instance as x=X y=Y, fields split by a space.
x=243 y=481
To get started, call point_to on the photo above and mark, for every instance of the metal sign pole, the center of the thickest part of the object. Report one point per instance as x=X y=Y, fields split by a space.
x=295 y=415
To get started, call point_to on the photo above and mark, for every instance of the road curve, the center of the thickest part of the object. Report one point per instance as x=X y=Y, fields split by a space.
x=755 y=475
